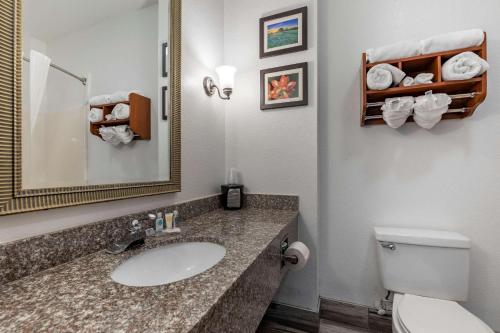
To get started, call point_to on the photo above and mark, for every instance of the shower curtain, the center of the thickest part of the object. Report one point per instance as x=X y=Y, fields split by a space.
x=39 y=72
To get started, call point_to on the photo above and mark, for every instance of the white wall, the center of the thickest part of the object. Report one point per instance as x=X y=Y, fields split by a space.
x=275 y=151
x=446 y=178
x=203 y=124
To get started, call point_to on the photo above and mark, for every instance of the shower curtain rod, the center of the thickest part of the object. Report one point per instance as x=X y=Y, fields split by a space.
x=81 y=79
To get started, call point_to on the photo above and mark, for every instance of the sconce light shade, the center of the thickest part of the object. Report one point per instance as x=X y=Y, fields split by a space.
x=226 y=76
x=226 y=82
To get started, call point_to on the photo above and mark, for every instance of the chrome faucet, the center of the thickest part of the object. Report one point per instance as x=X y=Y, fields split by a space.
x=134 y=239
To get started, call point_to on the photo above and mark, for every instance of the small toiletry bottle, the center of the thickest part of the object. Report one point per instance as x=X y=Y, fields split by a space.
x=159 y=222
x=176 y=217
x=169 y=220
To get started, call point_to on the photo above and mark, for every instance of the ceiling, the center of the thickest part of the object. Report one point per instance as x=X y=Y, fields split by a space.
x=49 y=19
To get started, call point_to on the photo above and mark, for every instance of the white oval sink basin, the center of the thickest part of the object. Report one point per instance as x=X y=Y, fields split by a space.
x=167 y=264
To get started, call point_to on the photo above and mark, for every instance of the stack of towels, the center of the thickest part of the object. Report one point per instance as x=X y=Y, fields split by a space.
x=119 y=96
x=439 y=43
x=120 y=112
x=117 y=134
x=427 y=110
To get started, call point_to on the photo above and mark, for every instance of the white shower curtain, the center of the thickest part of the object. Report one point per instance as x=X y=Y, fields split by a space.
x=39 y=71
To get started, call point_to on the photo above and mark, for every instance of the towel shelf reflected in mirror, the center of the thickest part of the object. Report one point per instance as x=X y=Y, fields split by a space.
x=56 y=150
x=466 y=95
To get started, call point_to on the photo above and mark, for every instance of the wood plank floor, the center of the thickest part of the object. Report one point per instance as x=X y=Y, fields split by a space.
x=326 y=326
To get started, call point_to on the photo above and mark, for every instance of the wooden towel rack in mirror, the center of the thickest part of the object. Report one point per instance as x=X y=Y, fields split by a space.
x=467 y=95
x=14 y=198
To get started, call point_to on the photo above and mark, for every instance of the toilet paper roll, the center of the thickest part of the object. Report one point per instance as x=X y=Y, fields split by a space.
x=301 y=251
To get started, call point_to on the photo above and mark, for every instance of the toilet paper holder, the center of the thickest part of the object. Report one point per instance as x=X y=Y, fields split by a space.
x=284 y=258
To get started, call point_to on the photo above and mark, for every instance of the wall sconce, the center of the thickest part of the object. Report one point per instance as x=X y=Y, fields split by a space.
x=226 y=82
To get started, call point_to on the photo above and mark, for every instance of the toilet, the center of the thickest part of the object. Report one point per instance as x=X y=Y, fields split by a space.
x=428 y=271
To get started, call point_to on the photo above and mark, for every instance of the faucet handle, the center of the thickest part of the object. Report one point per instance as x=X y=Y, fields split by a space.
x=136 y=226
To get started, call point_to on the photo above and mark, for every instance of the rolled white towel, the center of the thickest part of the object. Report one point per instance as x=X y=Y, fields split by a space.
x=95 y=115
x=382 y=76
x=393 y=51
x=396 y=110
x=378 y=79
x=121 y=111
x=408 y=81
x=424 y=78
x=429 y=109
x=464 y=66
x=452 y=41
x=109 y=135
x=99 y=100
x=123 y=96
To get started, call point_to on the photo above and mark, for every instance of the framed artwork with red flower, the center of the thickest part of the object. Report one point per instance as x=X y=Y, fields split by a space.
x=283 y=87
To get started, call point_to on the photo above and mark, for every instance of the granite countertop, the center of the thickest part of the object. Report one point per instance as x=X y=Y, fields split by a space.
x=80 y=295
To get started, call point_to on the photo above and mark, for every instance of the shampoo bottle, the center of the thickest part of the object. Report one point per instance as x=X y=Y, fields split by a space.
x=159 y=222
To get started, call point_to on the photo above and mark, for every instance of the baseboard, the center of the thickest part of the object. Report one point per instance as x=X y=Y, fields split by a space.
x=354 y=315
x=294 y=319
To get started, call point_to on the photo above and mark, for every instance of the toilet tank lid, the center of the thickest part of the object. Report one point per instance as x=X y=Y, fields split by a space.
x=424 y=237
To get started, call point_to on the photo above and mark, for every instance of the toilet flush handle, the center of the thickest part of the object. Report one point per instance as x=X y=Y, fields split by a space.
x=388 y=245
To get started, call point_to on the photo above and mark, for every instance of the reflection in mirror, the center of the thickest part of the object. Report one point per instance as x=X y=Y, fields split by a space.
x=91 y=86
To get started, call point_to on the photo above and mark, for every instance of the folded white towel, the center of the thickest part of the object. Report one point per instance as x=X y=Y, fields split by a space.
x=424 y=78
x=121 y=111
x=382 y=76
x=464 y=66
x=117 y=134
x=95 y=115
x=393 y=51
x=408 y=81
x=109 y=135
x=122 y=96
x=452 y=41
x=110 y=116
x=396 y=110
x=99 y=100
x=124 y=133
x=429 y=109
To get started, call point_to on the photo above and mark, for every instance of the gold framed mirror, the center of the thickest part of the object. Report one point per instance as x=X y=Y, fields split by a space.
x=15 y=196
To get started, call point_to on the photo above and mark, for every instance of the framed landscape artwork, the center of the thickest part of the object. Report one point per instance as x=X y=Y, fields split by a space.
x=283 y=33
x=284 y=86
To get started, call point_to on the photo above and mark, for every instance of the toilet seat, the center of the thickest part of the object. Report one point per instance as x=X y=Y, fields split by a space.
x=417 y=314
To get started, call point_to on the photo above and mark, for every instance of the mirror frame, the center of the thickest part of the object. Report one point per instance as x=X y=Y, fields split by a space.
x=14 y=199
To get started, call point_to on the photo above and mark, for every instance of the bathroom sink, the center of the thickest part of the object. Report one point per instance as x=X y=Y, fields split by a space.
x=167 y=264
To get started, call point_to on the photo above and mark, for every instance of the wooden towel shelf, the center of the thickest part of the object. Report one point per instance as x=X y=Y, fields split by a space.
x=469 y=94
x=139 y=120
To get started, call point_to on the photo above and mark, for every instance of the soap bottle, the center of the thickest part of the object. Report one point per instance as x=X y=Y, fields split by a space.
x=159 y=222
x=169 y=221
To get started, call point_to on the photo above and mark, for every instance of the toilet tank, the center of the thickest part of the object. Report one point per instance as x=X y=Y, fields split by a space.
x=424 y=262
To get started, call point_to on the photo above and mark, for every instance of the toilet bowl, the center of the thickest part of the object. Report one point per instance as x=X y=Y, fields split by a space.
x=434 y=265
x=416 y=314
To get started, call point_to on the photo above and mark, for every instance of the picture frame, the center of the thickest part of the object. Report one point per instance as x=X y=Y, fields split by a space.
x=164 y=59
x=283 y=33
x=285 y=86
x=164 y=106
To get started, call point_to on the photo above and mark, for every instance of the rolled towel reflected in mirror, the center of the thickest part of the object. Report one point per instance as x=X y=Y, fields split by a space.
x=429 y=109
x=383 y=76
x=123 y=96
x=464 y=66
x=99 y=100
x=121 y=111
x=95 y=115
x=396 y=110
